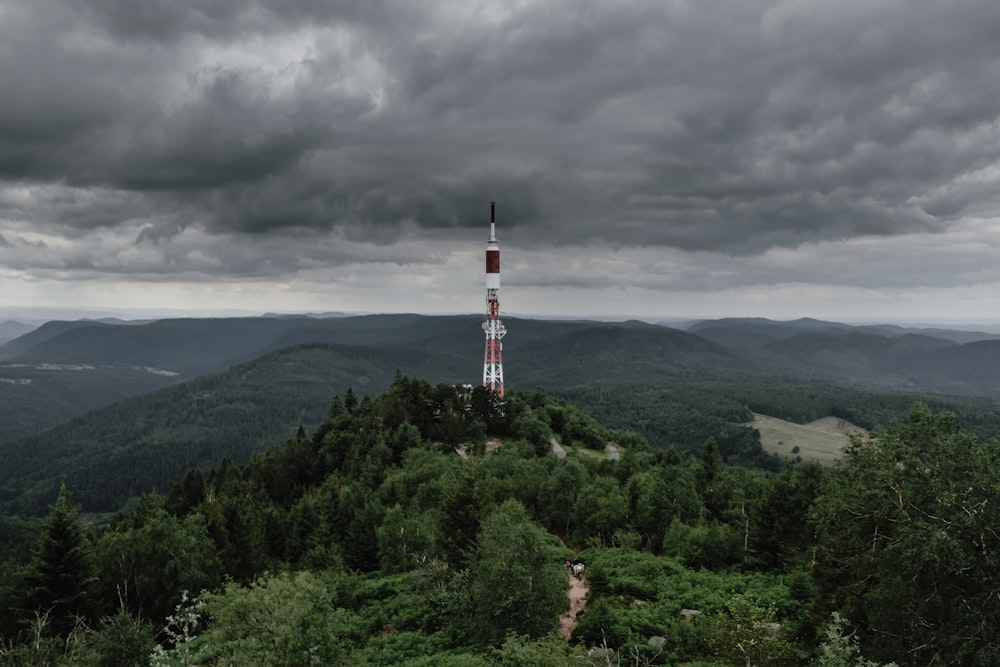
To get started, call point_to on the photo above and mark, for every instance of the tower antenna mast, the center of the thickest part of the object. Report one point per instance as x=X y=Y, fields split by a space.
x=494 y=328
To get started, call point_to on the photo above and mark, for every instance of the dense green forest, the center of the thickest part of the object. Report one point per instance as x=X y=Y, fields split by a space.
x=430 y=525
x=672 y=388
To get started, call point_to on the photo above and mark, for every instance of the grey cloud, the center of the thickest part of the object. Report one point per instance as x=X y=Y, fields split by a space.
x=168 y=22
x=701 y=126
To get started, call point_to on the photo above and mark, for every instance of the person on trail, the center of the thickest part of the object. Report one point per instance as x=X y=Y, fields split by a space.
x=569 y=567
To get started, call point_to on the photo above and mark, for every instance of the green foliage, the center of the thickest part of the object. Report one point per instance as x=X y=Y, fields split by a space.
x=600 y=509
x=180 y=633
x=781 y=534
x=637 y=595
x=62 y=572
x=142 y=443
x=404 y=540
x=123 y=641
x=601 y=625
x=674 y=388
x=908 y=542
x=840 y=649
x=535 y=431
x=516 y=581
x=45 y=650
x=371 y=542
x=283 y=620
x=522 y=651
x=148 y=566
x=747 y=634
x=711 y=545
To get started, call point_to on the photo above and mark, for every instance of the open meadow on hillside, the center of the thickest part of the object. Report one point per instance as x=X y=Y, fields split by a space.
x=821 y=440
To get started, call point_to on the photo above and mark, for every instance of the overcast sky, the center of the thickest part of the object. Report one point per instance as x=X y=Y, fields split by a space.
x=661 y=158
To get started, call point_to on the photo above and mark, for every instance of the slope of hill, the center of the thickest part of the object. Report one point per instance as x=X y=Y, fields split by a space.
x=672 y=386
x=909 y=362
x=752 y=332
x=137 y=444
x=40 y=335
x=10 y=329
x=612 y=352
x=822 y=440
x=64 y=369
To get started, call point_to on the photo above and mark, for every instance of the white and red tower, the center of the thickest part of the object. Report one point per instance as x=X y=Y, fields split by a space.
x=494 y=328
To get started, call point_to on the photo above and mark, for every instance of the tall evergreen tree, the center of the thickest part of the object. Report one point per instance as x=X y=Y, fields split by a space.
x=62 y=571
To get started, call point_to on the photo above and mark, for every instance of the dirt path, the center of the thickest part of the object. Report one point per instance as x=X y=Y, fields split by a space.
x=557 y=448
x=577 y=602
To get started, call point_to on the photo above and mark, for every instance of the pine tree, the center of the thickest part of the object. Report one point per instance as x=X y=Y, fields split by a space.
x=63 y=568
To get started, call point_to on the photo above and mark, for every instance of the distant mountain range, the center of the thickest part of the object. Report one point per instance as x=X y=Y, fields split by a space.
x=750 y=332
x=885 y=356
x=132 y=404
x=61 y=369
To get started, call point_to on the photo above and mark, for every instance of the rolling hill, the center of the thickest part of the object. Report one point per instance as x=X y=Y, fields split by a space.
x=10 y=329
x=64 y=369
x=130 y=406
x=137 y=444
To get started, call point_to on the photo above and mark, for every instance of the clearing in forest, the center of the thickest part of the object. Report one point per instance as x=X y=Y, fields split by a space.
x=821 y=441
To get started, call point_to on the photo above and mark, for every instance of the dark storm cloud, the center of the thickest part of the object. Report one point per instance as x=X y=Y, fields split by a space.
x=709 y=125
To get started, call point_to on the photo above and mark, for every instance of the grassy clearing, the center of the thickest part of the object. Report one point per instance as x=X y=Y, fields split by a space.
x=821 y=440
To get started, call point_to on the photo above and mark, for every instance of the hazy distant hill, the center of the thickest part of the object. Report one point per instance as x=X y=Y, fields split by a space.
x=751 y=332
x=854 y=354
x=756 y=332
x=185 y=346
x=596 y=352
x=63 y=369
x=918 y=363
x=884 y=356
x=10 y=330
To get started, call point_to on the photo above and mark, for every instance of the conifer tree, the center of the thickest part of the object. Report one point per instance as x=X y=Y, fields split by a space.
x=63 y=568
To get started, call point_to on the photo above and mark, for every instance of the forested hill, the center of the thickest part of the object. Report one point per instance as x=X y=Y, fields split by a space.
x=64 y=369
x=671 y=387
x=880 y=356
x=139 y=444
x=749 y=332
x=430 y=525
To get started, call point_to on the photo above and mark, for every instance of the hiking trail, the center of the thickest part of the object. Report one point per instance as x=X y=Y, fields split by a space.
x=577 y=602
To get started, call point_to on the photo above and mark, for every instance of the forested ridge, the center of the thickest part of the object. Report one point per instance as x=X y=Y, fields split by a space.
x=672 y=387
x=429 y=526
